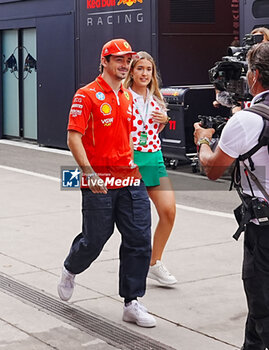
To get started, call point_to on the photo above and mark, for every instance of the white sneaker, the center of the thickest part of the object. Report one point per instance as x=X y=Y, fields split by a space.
x=159 y=272
x=66 y=285
x=137 y=313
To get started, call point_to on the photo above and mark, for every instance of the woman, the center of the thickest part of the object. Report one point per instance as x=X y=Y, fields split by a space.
x=149 y=118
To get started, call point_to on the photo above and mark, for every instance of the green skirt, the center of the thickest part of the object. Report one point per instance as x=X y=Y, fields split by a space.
x=151 y=166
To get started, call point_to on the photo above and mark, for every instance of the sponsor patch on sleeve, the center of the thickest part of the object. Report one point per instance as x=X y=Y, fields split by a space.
x=75 y=112
x=76 y=105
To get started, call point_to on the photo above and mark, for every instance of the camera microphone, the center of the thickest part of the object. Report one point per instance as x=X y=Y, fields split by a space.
x=225 y=99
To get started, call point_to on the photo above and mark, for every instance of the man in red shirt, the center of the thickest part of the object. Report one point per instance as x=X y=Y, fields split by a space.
x=112 y=192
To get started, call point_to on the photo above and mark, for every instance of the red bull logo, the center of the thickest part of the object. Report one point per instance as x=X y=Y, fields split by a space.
x=129 y=2
x=91 y=4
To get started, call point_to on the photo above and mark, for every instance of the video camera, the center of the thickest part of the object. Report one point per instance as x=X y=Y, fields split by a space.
x=217 y=122
x=207 y=121
x=229 y=74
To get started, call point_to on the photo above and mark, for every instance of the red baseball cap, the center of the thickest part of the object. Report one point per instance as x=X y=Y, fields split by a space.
x=118 y=47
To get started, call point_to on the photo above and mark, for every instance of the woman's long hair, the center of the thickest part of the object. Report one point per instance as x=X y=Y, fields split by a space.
x=154 y=85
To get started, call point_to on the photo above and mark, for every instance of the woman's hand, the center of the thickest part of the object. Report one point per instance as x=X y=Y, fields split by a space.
x=159 y=117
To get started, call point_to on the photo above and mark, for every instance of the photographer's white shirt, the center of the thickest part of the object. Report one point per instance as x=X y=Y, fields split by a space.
x=240 y=135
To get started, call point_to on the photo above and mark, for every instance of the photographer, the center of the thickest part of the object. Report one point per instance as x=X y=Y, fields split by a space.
x=239 y=136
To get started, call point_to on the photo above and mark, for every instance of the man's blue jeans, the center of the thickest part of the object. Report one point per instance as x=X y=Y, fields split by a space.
x=129 y=209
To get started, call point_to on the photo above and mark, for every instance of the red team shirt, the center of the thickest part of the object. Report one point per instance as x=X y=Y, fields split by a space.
x=104 y=118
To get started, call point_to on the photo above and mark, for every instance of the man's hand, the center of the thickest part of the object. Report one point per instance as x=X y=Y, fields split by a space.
x=200 y=132
x=96 y=184
x=214 y=163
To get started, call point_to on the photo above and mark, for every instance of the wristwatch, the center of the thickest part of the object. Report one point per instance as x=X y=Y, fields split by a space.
x=203 y=140
x=167 y=120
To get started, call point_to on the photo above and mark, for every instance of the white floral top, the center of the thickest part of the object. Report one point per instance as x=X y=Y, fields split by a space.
x=142 y=121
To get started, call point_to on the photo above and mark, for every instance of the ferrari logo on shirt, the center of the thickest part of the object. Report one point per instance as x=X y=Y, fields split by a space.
x=127 y=95
x=106 y=109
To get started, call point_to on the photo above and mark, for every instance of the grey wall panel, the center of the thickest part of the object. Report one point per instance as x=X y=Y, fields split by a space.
x=5 y=1
x=18 y=23
x=37 y=8
x=56 y=77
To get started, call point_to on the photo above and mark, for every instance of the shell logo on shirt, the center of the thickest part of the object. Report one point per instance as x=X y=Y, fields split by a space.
x=106 y=109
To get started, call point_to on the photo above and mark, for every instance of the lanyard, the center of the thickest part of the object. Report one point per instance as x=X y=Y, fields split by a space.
x=145 y=112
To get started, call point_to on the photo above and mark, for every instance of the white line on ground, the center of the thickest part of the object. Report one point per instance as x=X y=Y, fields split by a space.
x=204 y=211
x=34 y=147
x=94 y=342
x=26 y=172
x=179 y=206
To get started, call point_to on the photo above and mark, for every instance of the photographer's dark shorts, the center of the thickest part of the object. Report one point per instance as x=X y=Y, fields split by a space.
x=256 y=250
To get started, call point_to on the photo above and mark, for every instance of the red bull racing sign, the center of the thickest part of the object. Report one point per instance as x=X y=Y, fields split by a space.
x=113 y=12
